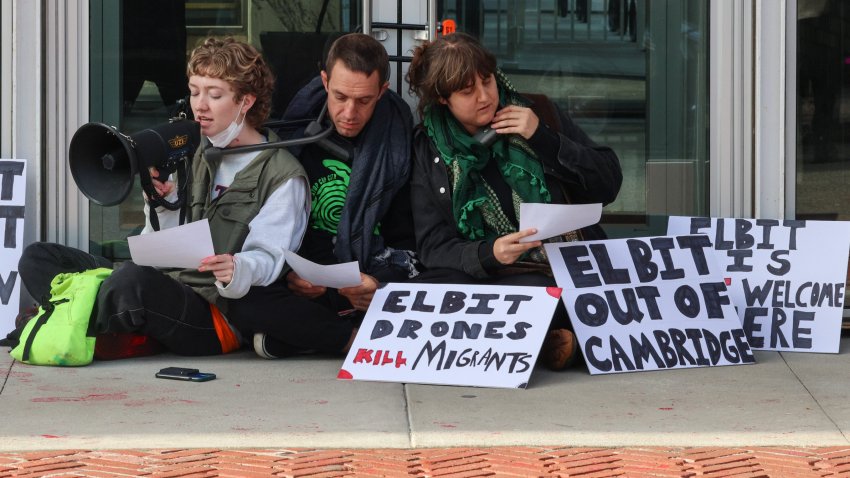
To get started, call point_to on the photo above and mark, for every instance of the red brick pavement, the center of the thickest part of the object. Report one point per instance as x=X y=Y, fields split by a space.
x=443 y=463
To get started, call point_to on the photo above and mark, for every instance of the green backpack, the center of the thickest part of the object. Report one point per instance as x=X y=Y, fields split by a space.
x=60 y=334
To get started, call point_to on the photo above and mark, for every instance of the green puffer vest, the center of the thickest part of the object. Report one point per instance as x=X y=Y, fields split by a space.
x=230 y=215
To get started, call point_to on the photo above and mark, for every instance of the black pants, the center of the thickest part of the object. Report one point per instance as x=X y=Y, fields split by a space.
x=134 y=298
x=297 y=324
x=581 y=9
x=144 y=300
x=560 y=320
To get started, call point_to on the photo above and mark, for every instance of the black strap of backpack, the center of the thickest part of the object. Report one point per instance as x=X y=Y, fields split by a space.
x=48 y=311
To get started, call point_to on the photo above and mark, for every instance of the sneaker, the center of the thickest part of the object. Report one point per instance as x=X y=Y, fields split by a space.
x=559 y=349
x=270 y=348
x=260 y=346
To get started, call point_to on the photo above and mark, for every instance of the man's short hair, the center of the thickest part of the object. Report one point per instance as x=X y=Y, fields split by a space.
x=361 y=53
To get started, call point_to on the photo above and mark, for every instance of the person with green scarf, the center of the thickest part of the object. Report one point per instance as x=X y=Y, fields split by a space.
x=466 y=191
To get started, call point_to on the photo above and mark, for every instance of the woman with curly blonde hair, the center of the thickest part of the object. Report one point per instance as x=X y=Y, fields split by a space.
x=256 y=203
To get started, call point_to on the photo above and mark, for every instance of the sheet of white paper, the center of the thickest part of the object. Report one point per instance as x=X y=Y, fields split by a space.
x=182 y=246
x=553 y=219
x=334 y=275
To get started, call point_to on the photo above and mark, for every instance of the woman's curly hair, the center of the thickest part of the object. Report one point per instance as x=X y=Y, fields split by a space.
x=241 y=65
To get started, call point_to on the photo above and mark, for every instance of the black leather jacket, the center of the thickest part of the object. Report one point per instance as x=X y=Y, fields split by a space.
x=586 y=173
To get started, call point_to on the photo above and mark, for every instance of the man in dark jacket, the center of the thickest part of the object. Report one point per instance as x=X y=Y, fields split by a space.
x=358 y=179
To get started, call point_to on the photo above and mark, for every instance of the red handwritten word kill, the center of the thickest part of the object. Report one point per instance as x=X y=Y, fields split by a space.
x=380 y=357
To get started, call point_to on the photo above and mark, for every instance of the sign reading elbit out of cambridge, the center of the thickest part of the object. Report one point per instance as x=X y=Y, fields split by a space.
x=786 y=277
x=12 y=198
x=446 y=334
x=648 y=304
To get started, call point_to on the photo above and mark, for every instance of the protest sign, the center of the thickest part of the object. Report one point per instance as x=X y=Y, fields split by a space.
x=447 y=334
x=12 y=198
x=785 y=277
x=648 y=304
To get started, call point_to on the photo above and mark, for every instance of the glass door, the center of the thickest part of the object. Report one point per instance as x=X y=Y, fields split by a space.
x=138 y=56
x=632 y=73
x=823 y=109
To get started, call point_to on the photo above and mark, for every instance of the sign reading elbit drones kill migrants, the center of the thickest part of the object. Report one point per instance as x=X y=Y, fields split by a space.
x=12 y=197
x=446 y=334
x=648 y=304
x=786 y=278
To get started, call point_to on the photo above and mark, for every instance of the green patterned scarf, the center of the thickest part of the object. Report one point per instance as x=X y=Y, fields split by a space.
x=475 y=205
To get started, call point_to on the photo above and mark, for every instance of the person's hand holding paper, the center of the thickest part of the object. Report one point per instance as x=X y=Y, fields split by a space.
x=553 y=219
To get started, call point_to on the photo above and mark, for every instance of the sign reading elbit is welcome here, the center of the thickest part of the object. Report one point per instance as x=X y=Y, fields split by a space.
x=786 y=277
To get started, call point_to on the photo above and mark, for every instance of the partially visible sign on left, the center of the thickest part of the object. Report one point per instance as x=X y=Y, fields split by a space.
x=13 y=192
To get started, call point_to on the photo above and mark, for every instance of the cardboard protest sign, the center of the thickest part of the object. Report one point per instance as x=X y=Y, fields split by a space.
x=12 y=198
x=648 y=304
x=446 y=334
x=786 y=277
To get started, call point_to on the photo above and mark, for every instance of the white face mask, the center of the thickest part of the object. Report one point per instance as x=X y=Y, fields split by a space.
x=227 y=135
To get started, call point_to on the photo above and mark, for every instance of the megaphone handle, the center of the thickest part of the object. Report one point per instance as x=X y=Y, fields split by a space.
x=154 y=197
x=159 y=177
x=153 y=217
x=184 y=178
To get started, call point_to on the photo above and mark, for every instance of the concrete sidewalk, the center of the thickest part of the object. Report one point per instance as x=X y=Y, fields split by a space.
x=794 y=400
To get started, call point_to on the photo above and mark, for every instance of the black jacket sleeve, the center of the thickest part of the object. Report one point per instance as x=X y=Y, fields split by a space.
x=589 y=173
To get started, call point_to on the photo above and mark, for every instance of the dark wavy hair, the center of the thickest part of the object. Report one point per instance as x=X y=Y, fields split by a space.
x=241 y=65
x=445 y=65
x=359 y=53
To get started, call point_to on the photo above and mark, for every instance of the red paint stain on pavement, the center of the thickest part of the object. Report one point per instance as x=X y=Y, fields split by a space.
x=157 y=401
x=666 y=408
x=51 y=436
x=94 y=397
x=445 y=425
